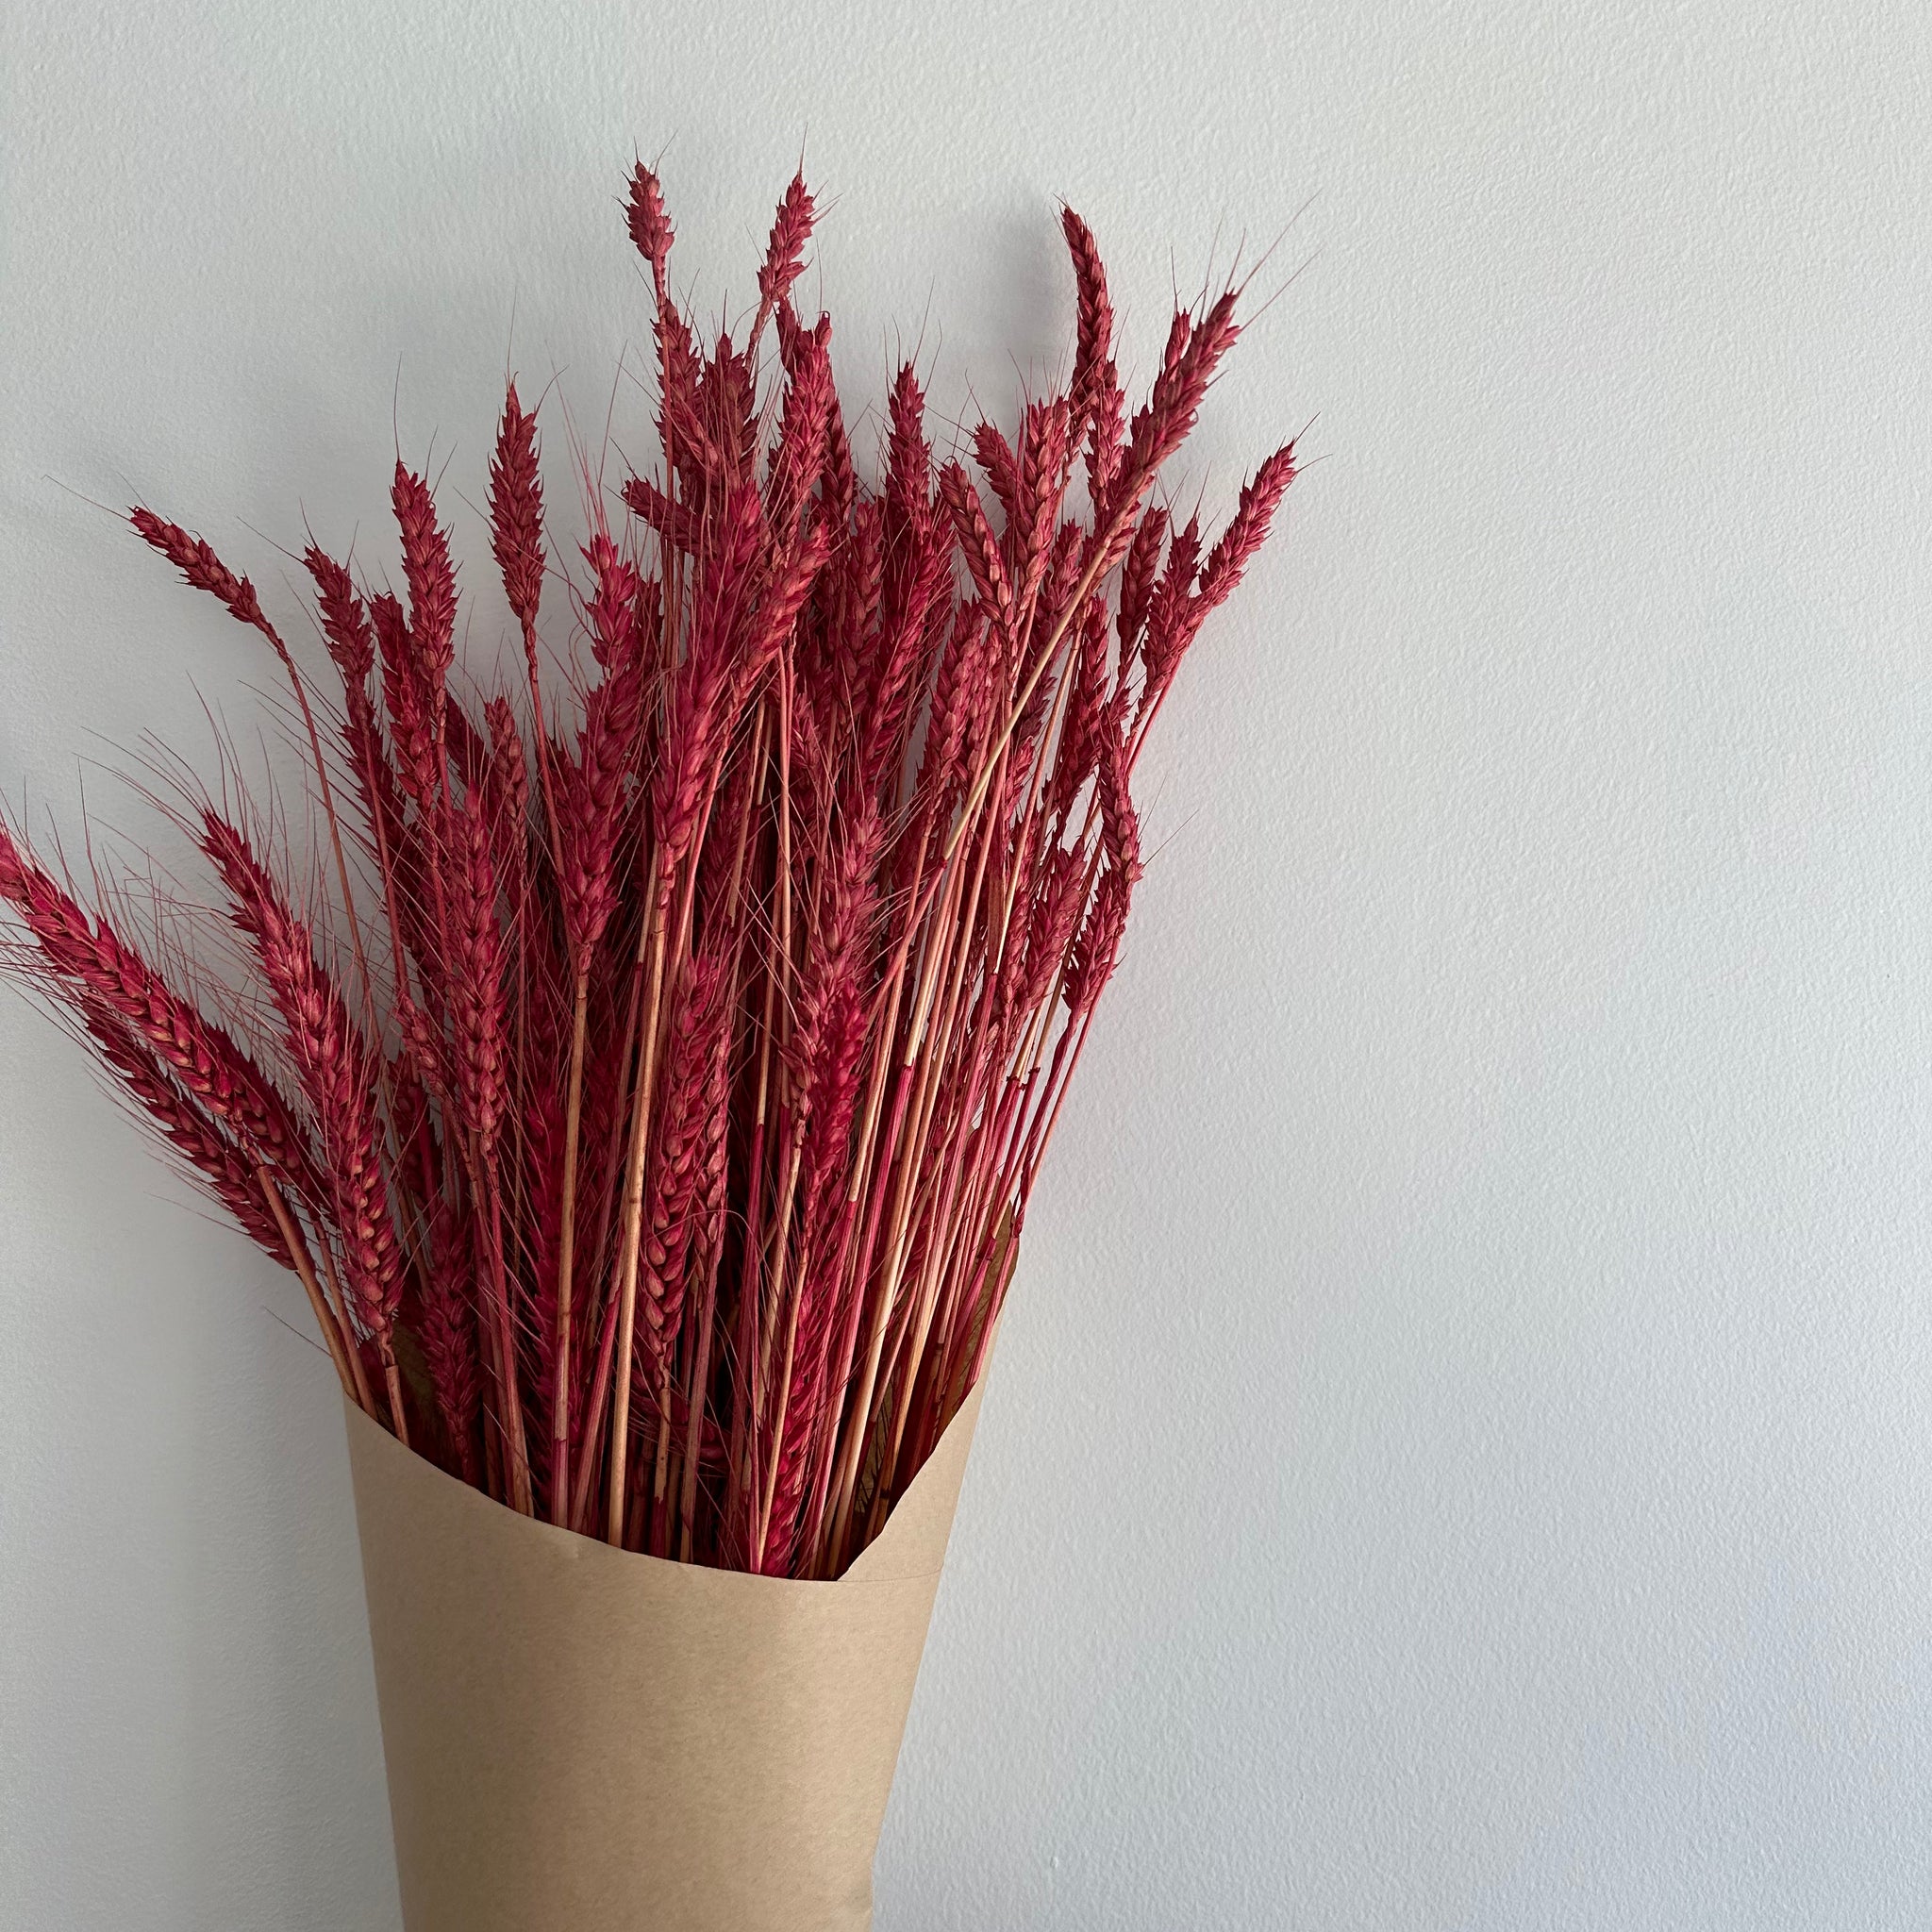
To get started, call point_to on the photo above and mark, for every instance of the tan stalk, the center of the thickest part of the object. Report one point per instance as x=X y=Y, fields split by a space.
x=566 y=1246
x=783 y=1384
x=354 y=1386
x=948 y=1041
x=715 y=1236
x=483 y=1181
x=935 y=969
x=633 y=1207
x=333 y=1280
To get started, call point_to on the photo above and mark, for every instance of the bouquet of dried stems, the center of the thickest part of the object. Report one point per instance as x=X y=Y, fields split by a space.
x=648 y=1078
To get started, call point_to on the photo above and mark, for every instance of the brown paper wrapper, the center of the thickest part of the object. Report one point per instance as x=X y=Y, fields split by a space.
x=584 y=1739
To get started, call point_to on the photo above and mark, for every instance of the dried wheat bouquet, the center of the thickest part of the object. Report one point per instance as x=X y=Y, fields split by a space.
x=646 y=1073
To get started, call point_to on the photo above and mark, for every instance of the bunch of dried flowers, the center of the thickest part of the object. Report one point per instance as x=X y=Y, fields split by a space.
x=649 y=1095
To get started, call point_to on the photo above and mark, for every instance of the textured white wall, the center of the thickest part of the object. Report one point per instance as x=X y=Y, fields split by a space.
x=1460 y=1453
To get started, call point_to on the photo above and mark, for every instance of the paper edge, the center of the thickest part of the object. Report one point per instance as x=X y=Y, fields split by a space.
x=923 y=1513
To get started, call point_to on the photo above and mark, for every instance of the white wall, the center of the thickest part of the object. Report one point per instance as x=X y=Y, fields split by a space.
x=1460 y=1454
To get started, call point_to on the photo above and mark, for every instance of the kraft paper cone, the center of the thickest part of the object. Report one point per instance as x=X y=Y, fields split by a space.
x=584 y=1739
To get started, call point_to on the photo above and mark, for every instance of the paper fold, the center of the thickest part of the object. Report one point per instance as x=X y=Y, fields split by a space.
x=584 y=1739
